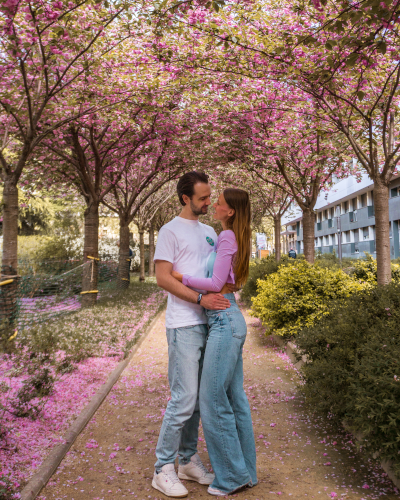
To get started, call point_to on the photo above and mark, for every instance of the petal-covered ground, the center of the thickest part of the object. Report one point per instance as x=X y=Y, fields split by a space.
x=299 y=456
x=102 y=335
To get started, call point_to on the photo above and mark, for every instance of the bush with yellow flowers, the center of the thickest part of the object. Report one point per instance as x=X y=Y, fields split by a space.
x=300 y=294
x=366 y=270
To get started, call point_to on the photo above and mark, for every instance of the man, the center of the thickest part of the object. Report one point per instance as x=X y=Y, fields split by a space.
x=184 y=245
x=292 y=253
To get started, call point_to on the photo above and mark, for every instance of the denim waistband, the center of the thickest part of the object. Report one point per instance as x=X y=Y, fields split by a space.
x=232 y=300
x=230 y=297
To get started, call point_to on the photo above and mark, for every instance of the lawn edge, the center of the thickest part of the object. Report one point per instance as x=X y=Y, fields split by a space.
x=57 y=454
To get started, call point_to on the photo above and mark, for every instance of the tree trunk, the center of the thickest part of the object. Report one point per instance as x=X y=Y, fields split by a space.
x=151 y=250
x=381 y=201
x=309 y=234
x=141 y=249
x=277 y=229
x=91 y=249
x=124 y=263
x=10 y=227
x=9 y=292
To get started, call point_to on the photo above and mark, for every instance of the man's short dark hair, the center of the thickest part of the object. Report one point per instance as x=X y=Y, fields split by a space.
x=187 y=182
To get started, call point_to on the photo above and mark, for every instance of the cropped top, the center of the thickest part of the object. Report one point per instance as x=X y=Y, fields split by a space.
x=219 y=265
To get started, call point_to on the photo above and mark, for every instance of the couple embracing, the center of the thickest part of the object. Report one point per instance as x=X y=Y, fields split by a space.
x=205 y=333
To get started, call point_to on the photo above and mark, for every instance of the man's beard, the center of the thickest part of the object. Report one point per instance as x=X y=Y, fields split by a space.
x=198 y=211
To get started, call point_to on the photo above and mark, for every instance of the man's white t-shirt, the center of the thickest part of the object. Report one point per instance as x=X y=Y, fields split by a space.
x=187 y=244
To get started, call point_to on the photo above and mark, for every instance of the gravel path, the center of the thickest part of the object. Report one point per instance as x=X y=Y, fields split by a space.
x=299 y=456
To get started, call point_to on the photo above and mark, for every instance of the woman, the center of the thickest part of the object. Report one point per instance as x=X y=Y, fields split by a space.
x=224 y=408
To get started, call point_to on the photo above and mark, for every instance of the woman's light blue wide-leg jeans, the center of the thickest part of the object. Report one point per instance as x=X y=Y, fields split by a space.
x=224 y=407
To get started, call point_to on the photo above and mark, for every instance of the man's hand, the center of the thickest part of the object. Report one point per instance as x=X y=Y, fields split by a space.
x=232 y=287
x=214 y=301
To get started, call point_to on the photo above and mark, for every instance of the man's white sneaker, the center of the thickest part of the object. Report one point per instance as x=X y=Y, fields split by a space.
x=215 y=492
x=168 y=482
x=195 y=471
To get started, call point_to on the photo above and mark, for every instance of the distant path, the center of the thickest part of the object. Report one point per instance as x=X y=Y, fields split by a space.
x=298 y=457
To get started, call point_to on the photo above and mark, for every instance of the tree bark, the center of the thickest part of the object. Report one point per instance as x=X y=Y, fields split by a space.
x=381 y=201
x=277 y=230
x=151 y=250
x=309 y=234
x=91 y=249
x=124 y=263
x=10 y=227
x=9 y=293
x=141 y=249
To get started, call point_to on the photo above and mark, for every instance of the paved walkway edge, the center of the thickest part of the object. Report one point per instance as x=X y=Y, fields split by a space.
x=290 y=349
x=50 y=464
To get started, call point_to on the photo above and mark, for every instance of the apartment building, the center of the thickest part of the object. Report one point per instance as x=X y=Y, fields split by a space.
x=346 y=212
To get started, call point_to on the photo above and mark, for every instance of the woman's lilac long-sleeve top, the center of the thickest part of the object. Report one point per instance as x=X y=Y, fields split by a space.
x=223 y=266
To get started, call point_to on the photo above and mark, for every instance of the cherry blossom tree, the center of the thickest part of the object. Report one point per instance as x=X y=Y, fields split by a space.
x=345 y=56
x=139 y=194
x=46 y=50
x=92 y=154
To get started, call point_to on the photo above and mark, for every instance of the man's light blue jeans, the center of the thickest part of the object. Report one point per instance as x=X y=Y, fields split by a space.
x=224 y=408
x=180 y=427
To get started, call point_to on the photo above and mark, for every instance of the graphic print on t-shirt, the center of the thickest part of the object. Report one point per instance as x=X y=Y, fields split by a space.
x=210 y=241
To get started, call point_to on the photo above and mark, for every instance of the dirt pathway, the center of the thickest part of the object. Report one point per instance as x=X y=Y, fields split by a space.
x=298 y=456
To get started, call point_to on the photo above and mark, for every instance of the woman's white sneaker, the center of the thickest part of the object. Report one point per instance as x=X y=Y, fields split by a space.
x=195 y=470
x=216 y=493
x=168 y=482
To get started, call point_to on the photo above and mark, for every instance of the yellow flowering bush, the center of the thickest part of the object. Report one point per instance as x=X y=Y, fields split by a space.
x=366 y=270
x=300 y=294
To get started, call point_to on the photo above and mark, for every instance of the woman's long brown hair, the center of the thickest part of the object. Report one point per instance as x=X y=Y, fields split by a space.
x=239 y=223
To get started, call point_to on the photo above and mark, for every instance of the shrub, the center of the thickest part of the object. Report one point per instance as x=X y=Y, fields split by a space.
x=354 y=367
x=259 y=269
x=28 y=399
x=298 y=295
x=327 y=260
x=366 y=270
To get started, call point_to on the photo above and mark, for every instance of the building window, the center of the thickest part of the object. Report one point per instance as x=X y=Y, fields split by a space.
x=346 y=207
x=353 y=216
x=364 y=200
x=365 y=231
x=354 y=204
x=394 y=192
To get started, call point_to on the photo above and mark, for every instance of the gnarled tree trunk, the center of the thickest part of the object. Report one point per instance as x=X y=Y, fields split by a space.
x=141 y=249
x=151 y=250
x=91 y=249
x=10 y=227
x=309 y=234
x=124 y=262
x=277 y=233
x=9 y=292
x=381 y=201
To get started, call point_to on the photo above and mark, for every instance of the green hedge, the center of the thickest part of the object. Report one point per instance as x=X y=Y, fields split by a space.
x=299 y=294
x=354 y=367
